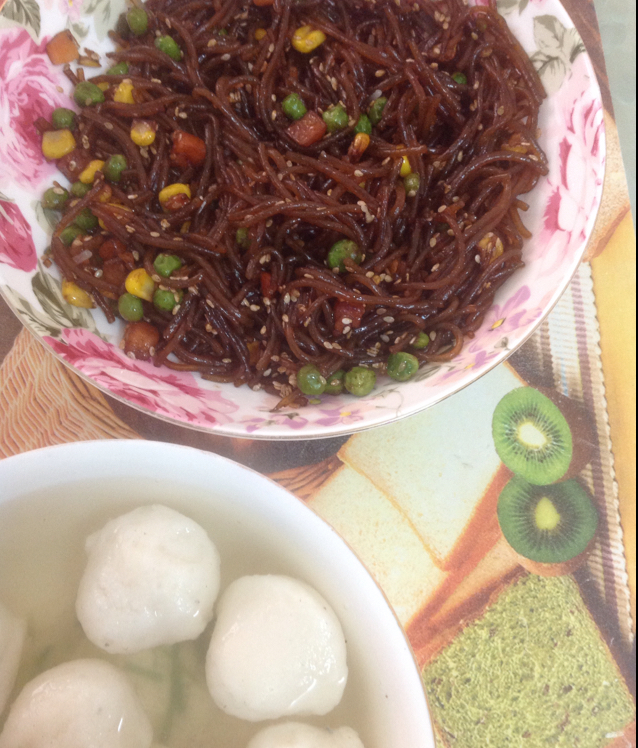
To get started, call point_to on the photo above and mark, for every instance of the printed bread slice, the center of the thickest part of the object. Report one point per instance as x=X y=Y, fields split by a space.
x=467 y=590
x=383 y=538
x=531 y=669
x=438 y=466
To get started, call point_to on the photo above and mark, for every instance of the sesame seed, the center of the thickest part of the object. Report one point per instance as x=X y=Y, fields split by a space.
x=460 y=156
x=155 y=234
x=130 y=229
x=273 y=115
x=328 y=345
x=269 y=223
x=477 y=259
x=285 y=318
x=385 y=338
x=98 y=273
x=346 y=321
x=254 y=307
x=433 y=242
x=256 y=388
x=436 y=267
x=226 y=57
x=227 y=361
x=433 y=335
x=358 y=173
x=389 y=320
x=346 y=330
x=443 y=208
x=268 y=372
x=380 y=73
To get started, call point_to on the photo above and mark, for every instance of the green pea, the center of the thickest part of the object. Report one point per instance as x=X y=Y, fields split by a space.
x=242 y=238
x=345 y=249
x=169 y=46
x=310 y=381
x=375 y=112
x=166 y=265
x=70 y=234
x=86 y=220
x=402 y=366
x=114 y=167
x=336 y=118
x=363 y=125
x=87 y=94
x=63 y=119
x=334 y=383
x=55 y=198
x=165 y=300
x=412 y=183
x=121 y=68
x=360 y=381
x=137 y=19
x=460 y=78
x=130 y=307
x=293 y=106
x=79 y=189
x=422 y=341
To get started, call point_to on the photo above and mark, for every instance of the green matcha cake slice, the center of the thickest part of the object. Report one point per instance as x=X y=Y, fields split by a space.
x=533 y=671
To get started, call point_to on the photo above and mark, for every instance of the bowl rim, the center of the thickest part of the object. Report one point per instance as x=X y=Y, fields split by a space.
x=138 y=451
x=314 y=431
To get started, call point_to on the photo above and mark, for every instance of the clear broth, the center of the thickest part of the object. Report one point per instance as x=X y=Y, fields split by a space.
x=42 y=559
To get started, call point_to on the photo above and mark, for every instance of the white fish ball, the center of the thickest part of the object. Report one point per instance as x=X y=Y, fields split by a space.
x=81 y=704
x=296 y=735
x=152 y=578
x=277 y=650
x=12 y=633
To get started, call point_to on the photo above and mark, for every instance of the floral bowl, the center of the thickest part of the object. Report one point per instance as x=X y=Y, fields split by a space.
x=562 y=216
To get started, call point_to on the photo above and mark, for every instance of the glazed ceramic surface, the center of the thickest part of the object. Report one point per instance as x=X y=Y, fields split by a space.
x=562 y=215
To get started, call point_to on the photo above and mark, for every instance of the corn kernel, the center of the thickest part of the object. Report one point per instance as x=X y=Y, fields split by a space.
x=306 y=39
x=76 y=296
x=103 y=86
x=143 y=133
x=493 y=244
x=358 y=146
x=57 y=144
x=260 y=34
x=174 y=189
x=406 y=167
x=139 y=283
x=88 y=175
x=124 y=93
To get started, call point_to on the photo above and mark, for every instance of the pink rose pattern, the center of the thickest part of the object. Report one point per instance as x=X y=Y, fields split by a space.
x=28 y=90
x=175 y=395
x=577 y=175
x=16 y=243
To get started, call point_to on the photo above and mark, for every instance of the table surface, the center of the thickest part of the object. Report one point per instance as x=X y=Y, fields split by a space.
x=436 y=579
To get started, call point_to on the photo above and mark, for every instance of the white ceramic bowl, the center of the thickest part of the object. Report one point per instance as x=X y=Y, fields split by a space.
x=267 y=520
x=562 y=216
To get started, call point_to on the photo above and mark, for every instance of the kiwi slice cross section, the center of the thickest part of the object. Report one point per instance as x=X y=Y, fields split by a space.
x=532 y=436
x=547 y=524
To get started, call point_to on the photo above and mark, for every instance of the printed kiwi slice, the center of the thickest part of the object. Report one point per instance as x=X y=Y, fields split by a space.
x=547 y=524
x=532 y=436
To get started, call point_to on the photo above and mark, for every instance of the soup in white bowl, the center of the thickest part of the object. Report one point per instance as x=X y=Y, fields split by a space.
x=52 y=500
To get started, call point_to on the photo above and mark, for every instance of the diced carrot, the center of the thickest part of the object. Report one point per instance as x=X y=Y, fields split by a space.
x=188 y=150
x=63 y=48
x=176 y=202
x=267 y=289
x=307 y=130
x=112 y=249
x=352 y=313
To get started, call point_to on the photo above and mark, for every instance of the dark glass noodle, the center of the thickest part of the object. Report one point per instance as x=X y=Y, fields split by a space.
x=462 y=106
